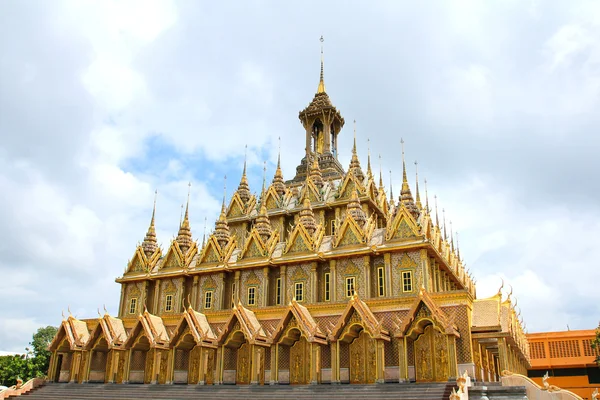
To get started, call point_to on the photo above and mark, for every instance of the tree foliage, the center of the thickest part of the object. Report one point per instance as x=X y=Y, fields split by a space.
x=596 y=343
x=34 y=363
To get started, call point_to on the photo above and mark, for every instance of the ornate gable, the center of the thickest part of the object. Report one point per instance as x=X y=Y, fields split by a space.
x=349 y=185
x=424 y=308
x=301 y=241
x=212 y=252
x=272 y=199
x=254 y=247
x=349 y=233
x=403 y=226
x=174 y=258
x=312 y=191
x=197 y=325
x=236 y=207
x=298 y=316
x=139 y=263
x=245 y=321
x=357 y=312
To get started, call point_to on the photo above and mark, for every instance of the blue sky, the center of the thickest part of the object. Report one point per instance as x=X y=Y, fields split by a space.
x=103 y=102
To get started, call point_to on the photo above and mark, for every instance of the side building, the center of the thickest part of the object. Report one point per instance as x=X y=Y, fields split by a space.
x=320 y=279
x=568 y=358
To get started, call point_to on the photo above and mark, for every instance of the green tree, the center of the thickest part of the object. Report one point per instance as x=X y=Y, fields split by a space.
x=596 y=343
x=34 y=363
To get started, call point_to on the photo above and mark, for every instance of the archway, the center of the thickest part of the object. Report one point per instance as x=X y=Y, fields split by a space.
x=185 y=367
x=64 y=359
x=141 y=361
x=99 y=358
x=363 y=360
x=298 y=356
x=238 y=357
x=431 y=355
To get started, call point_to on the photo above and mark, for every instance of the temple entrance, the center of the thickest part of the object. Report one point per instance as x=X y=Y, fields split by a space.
x=299 y=362
x=363 y=361
x=185 y=366
x=98 y=366
x=244 y=357
x=58 y=367
x=431 y=356
x=209 y=366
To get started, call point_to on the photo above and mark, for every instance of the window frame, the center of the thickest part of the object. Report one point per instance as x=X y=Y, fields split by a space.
x=168 y=302
x=278 y=292
x=208 y=296
x=251 y=289
x=133 y=302
x=404 y=274
x=353 y=289
x=301 y=286
x=327 y=286
x=380 y=282
x=233 y=289
x=332 y=228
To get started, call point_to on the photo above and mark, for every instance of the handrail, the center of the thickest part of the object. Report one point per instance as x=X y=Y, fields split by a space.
x=535 y=391
x=21 y=388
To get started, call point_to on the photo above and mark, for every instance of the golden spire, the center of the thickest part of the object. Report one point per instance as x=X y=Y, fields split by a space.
x=426 y=197
x=321 y=88
x=354 y=162
x=451 y=237
x=369 y=172
x=221 y=227
x=405 y=194
x=262 y=192
x=437 y=218
x=263 y=224
x=204 y=235
x=149 y=245
x=457 y=248
x=444 y=219
x=278 y=183
x=307 y=217
x=355 y=210
x=315 y=172
x=244 y=188
x=184 y=237
x=381 y=188
x=391 y=189
x=418 y=200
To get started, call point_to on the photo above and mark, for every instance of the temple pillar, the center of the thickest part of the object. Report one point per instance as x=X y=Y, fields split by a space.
x=367 y=268
x=335 y=362
x=274 y=378
x=266 y=288
x=402 y=361
x=313 y=282
x=52 y=366
x=387 y=260
x=219 y=369
x=283 y=276
x=202 y=365
x=74 y=366
x=171 y=367
x=156 y=296
x=380 y=361
x=257 y=360
x=425 y=270
x=452 y=361
x=502 y=352
x=333 y=280
x=315 y=363
x=236 y=294
x=195 y=293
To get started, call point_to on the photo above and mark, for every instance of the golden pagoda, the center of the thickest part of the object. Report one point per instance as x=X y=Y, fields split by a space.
x=322 y=279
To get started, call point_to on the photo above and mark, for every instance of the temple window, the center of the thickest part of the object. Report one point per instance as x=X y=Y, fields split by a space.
x=278 y=292
x=251 y=296
x=233 y=294
x=333 y=227
x=350 y=286
x=132 y=305
x=208 y=299
x=407 y=285
x=299 y=291
x=169 y=302
x=327 y=286
x=380 y=282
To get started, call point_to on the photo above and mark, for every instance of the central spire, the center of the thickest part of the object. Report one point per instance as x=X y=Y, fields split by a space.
x=321 y=88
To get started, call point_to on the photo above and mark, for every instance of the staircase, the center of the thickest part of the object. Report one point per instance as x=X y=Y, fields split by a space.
x=388 y=391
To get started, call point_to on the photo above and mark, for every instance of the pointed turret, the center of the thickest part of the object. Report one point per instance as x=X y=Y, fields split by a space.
x=354 y=167
x=315 y=173
x=391 y=190
x=278 y=183
x=369 y=172
x=418 y=201
x=426 y=198
x=355 y=210
x=321 y=87
x=381 y=187
x=437 y=217
x=184 y=237
x=263 y=224
x=222 y=233
x=150 y=244
x=307 y=217
x=244 y=189
x=406 y=198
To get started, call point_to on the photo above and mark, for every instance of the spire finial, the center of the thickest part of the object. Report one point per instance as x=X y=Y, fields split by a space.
x=181 y=216
x=369 y=172
x=224 y=192
x=264 y=178
x=354 y=147
x=391 y=188
x=437 y=218
x=187 y=205
x=426 y=197
x=457 y=248
x=380 y=175
x=451 y=237
x=204 y=235
x=245 y=159
x=154 y=207
x=444 y=219
x=279 y=153
x=418 y=199
x=403 y=163
x=321 y=88
x=149 y=244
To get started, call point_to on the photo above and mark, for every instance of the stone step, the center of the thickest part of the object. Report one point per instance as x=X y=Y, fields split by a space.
x=435 y=391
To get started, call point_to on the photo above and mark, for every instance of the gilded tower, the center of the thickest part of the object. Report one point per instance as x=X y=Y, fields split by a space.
x=320 y=279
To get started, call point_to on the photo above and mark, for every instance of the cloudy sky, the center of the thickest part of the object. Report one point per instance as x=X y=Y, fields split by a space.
x=102 y=102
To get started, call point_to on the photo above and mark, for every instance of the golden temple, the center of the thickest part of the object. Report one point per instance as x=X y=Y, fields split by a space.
x=319 y=279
